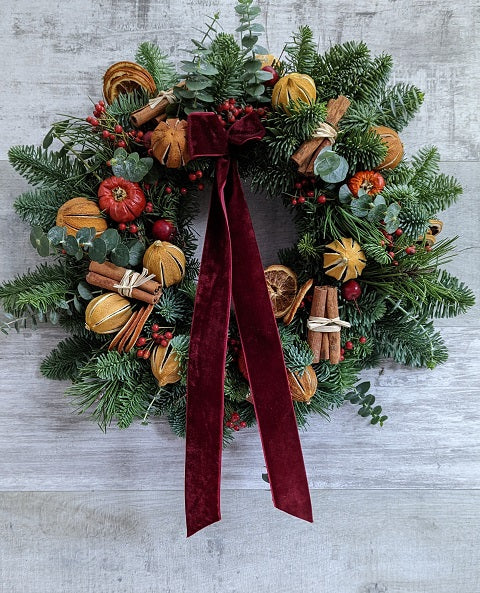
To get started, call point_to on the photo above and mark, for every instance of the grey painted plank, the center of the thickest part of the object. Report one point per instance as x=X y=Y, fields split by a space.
x=430 y=440
x=55 y=54
x=361 y=542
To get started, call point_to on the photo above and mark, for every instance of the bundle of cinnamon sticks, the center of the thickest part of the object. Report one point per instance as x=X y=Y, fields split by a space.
x=305 y=156
x=325 y=344
x=107 y=275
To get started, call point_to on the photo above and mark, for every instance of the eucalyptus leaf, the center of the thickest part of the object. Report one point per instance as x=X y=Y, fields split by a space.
x=120 y=153
x=78 y=305
x=207 y=98
x=71 y=245
x=392 y=219
x=338 y=174
x=86 y=235
x=344 y=194
x=62 y=304
x=361 y=206
x=57 y=235
x=377 y=213
x=363 y=388
x=135 y=253
x=54 y=316
x=111 y=238
x=263 y=76
x=120 y=255
x=98 y=250
x=248 y=41
x=260 y=50
x=197 y=84
x=252 y=65
x=207 y=69
x=326 y=162
x=47 y=141
x=83 y=289
x=43 y=246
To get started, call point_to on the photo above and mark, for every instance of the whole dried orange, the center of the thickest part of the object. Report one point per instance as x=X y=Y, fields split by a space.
x=282 y=288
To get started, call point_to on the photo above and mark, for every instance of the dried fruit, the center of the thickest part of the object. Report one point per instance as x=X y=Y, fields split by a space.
x=166 y=261
x=107 y=313
x=78 y=213
x=293 y=87
x=394 y=147
x=303 y=386
x=126 y=77
x=298 y=301
x=344 y=259
x=282 y=288
x=165 y=366
x=169 y=143
x=370 y=181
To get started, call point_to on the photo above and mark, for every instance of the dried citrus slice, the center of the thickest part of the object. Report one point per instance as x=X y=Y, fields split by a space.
x=282 y=288
x=297 y=302
x=344 y=259
x=125 y=77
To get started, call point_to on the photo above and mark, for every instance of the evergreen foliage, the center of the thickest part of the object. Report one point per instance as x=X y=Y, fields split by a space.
x=151 y=57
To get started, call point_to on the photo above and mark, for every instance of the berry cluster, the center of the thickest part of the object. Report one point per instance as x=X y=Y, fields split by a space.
x=235 y=345
x=145 y=344
x=349 y=346
x=389 y=241
x=111 y=130
x=195 y=177
x=229 y=111
x=235 y=422
x=305 y=189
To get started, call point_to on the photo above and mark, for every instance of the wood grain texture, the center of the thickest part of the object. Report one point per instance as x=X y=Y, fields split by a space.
x=131 y=542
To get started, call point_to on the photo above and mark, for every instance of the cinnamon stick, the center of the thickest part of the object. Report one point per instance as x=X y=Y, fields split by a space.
x=332 y=313
x=318 y=341
x=127 y=335
x=109 y=284
x=117 y=272
x=138 y=327
x=145 y=114
x=126 y=329
x=305 y=156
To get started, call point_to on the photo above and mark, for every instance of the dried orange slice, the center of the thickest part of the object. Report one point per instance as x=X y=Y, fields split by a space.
x=298 y=301
x=344 y=259
x=125 y=77
x=282 y=288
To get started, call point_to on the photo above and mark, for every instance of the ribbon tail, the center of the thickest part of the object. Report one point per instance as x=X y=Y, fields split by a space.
x=206 y=370
x=264 y=360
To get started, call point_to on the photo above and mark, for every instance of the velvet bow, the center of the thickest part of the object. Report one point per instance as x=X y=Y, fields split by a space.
x=231 y=268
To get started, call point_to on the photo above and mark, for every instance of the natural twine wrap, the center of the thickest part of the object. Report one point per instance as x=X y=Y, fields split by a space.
x=325 y=324
x=131 y=280
x=167 y=95
x=325 y=130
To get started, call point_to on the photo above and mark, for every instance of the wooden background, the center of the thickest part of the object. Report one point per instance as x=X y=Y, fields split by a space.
x=396 y=508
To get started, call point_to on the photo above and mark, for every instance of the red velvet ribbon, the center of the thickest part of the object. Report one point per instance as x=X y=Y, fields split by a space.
x=231 y=267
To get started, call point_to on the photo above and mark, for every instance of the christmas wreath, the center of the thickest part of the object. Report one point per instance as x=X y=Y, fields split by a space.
x=115 y=205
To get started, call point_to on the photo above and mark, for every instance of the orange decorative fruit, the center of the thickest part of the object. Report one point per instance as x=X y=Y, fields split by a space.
x=282 y=288
x=293 y=87
x=169 y=143
x=166 y=261
x=107 y=313
x=344 y=259
x=164 y=364
x=394 y=147
x=126 y=77
x=303 y=385
x=78 y=213
x=298 y=301
x=370 y=181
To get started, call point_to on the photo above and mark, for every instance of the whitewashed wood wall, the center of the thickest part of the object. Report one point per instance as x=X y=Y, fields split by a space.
x=397 y=509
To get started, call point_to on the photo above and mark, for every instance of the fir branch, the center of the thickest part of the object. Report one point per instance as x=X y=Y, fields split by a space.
x=151 y=57
x=39 y=207
x=398 y=106
x=362 y=150
x=447 y=296
x=125 y=104
x=66 y=359
x=226 y=56
x=301 y=51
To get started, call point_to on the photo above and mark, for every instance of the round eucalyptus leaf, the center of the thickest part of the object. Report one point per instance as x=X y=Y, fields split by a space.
x=111 y=238
x=135 y=251
x=43 y=246
x=344 y=194
x=57 y=235
x=71 y=245
x=326 y=162
x=98 y=250
x=84 y=291
x=86 y=235
x=338 y=174
x=53 y=316
x=120 y=255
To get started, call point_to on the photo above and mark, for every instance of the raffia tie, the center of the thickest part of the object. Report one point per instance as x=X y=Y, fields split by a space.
x=131 y=280
x=325 y=130
x=168 y=95
x=326 y=324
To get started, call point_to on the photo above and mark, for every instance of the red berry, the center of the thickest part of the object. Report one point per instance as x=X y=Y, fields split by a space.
x=122 y=226
x=133 y=228
x=155 y=336
x=232 y=101
x=141 y=341
x=349 y=345
x=192 y=176
x=235 y=417
x=410 y=250
x=201 y=186
x=342 y=358
x=260 y=111
x=164 y=343
x=168 y=190
x=342 y=351
x=150 y=151
x=105 y=133
x=102 y=103
x=108 y=163
x=236 y=112
x=149 y=207
x=198 y=174
x=163 y=230
x=428 y=248
x=351 y=290
x=395 y=263
x=391 y=254
x=274 y=74
x=184 y=191
x=229 y=424
x=118 y=129
x=94 y=121
x=161 y=337
x=248 y=108
x=362 y=339
x=140 y=134
x=146 y=354
x=301 y=200
x=168 y=335
x=236 y=428
x=111 y=136
x=298 y=185
x=88 y=119
x=382 y=243
x=399 y=232
x=243 y=424
x=140 y=353
x=121 y=144
x=310 y=194
x=294 y=202
x=322 y=199
x=155 y=327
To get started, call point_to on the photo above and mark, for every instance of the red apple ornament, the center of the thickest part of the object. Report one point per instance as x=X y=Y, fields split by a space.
x=351 y=290
x=163 y=230
x=274 y=74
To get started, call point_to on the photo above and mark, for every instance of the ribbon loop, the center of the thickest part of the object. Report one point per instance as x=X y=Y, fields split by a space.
x=231 y=268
